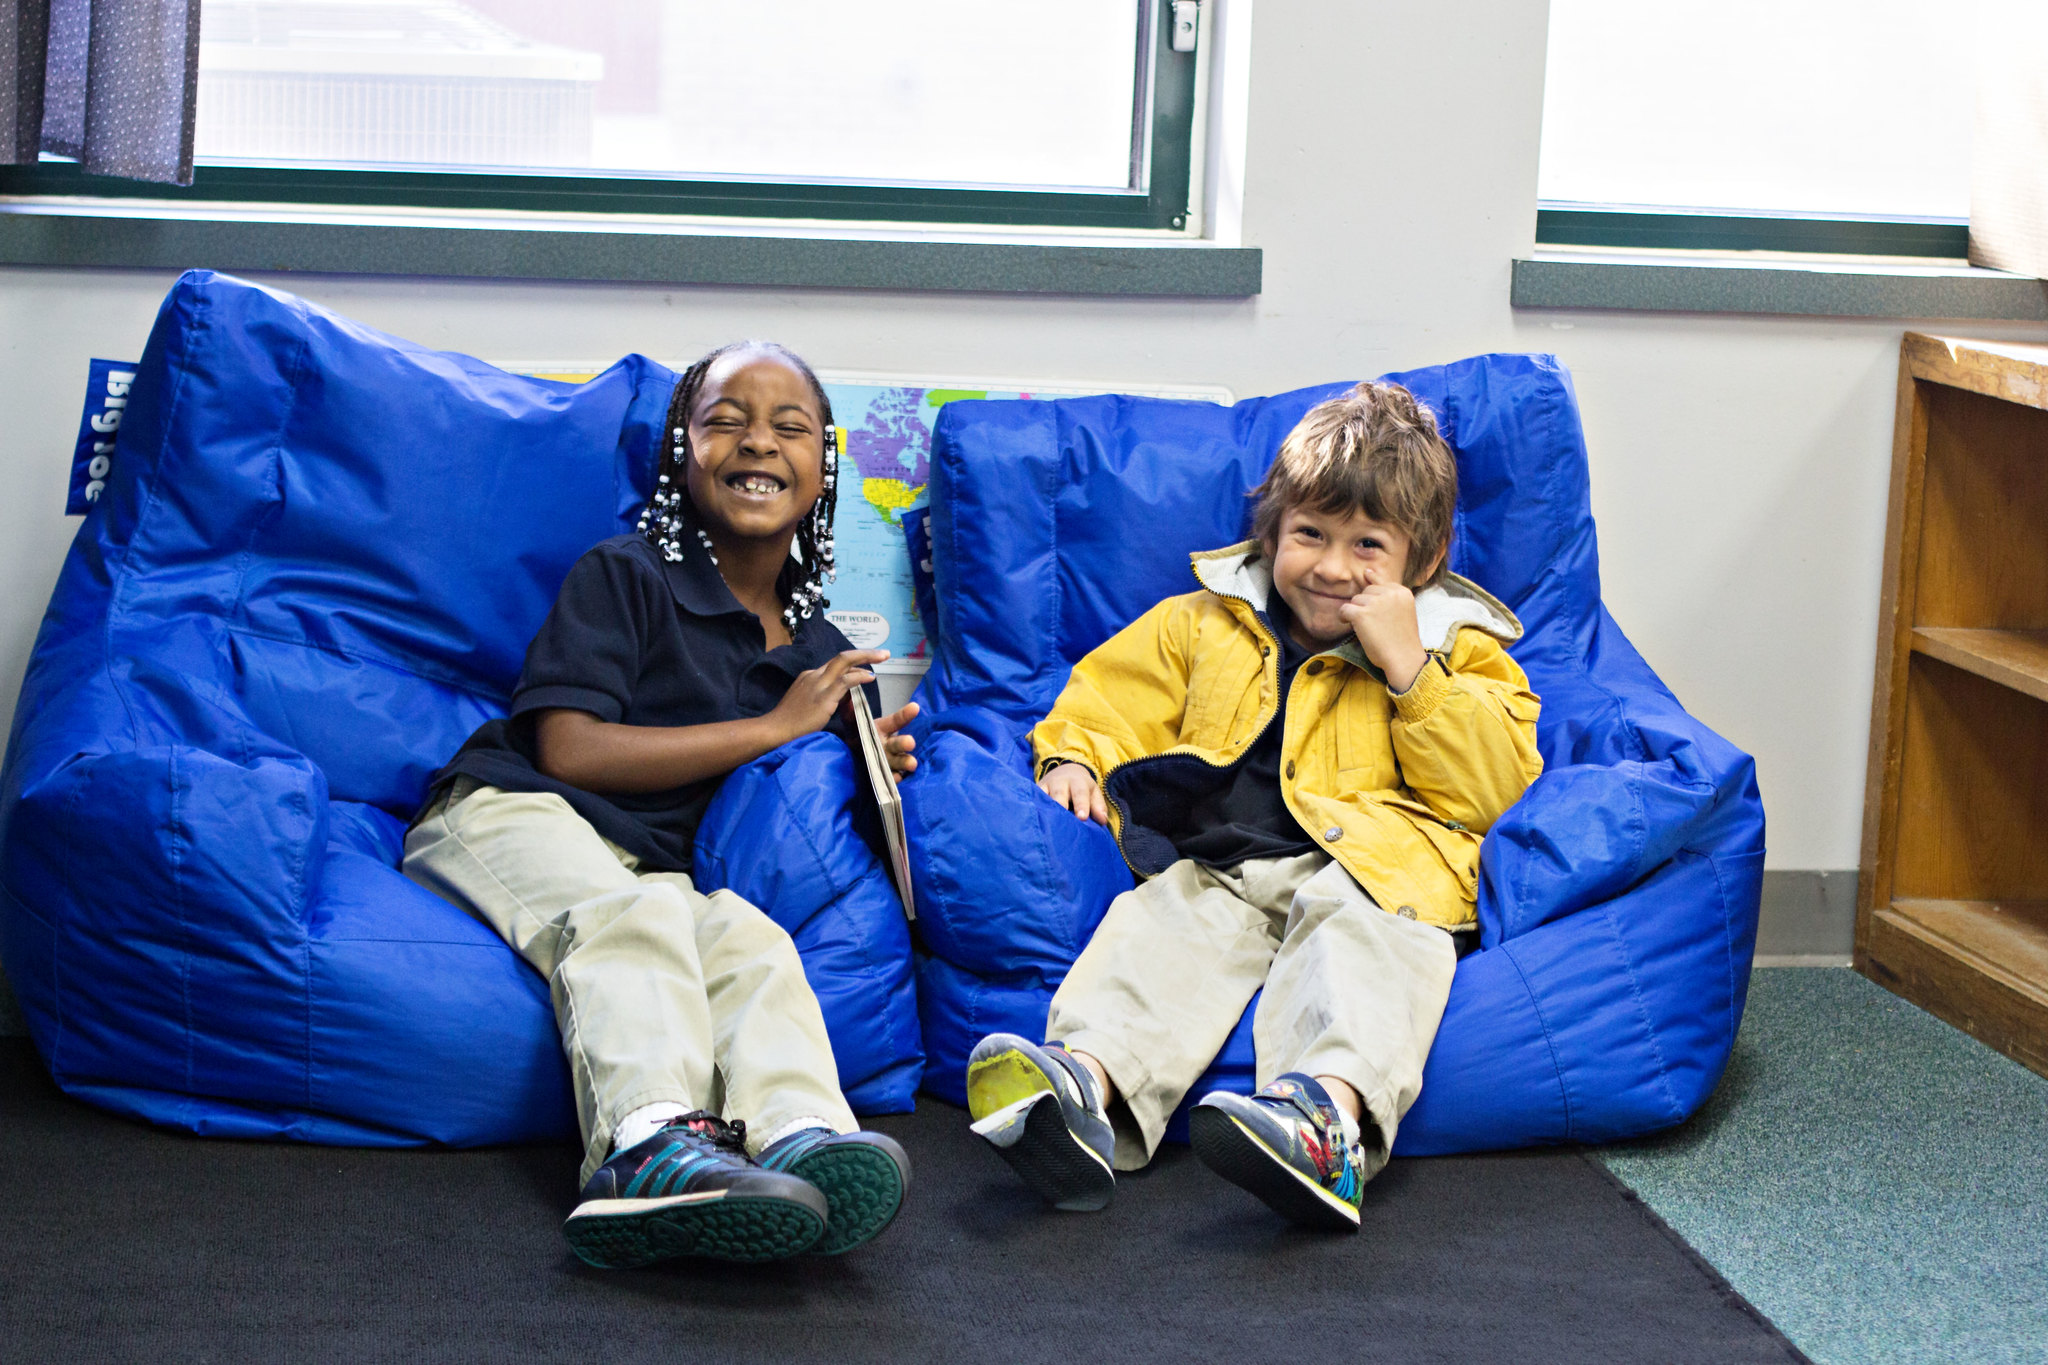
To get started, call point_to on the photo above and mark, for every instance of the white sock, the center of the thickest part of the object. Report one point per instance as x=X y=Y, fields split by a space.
x=1344 y=1119
x=797 y=1125
x=644 y=1122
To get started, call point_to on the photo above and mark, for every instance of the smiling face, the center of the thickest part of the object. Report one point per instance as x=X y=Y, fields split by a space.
x=1321 y=560
x=757 y=449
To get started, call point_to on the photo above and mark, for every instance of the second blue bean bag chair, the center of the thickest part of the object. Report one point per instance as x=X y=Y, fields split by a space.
x=315 y=569
x=1617 y=899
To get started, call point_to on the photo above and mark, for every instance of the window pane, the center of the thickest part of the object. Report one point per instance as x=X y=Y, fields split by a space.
x=1793 y=106
x=898 y=91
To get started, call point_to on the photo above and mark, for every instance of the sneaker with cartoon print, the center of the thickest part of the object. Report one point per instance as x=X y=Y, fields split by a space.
x=1286 y=1145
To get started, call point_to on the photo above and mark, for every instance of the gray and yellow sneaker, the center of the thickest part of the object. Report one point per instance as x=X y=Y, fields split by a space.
x=1041 y=1111
x=1286 y=1145
x=690 y=1190
x=862 y=1175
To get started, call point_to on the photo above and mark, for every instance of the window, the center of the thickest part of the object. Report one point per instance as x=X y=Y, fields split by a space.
x=1058 y=113
x=1823 y=125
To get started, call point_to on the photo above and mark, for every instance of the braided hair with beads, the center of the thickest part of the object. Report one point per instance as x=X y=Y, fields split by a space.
x=801 y=584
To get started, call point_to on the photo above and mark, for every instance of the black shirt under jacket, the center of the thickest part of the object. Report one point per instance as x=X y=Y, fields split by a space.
x=1243 y=816
x=1177 y=806
x=635 y=640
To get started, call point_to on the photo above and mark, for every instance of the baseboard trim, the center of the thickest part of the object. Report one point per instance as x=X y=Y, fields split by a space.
x=1807 y=915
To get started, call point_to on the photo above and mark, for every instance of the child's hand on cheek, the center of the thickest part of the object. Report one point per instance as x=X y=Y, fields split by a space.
x=1383 y=619
x=901 y=764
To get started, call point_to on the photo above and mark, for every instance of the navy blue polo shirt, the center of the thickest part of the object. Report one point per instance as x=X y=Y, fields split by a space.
x=635 y=640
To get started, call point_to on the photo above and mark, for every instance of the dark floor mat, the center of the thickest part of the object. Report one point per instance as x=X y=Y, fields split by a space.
x=119 y=1242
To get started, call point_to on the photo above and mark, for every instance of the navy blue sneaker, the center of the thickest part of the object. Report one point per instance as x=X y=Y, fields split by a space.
x=863 y=1177
x=1286 y=1145
x=691 y=1191
x=1041 y=1111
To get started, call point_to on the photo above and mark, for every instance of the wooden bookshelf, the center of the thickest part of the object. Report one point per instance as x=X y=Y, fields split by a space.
x=1953 y=900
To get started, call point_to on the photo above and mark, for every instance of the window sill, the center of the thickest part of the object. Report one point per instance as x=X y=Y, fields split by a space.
x=241 y=237
x=1774 y=283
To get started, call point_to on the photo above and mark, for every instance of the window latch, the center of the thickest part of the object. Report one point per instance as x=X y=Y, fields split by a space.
x=1186 y=15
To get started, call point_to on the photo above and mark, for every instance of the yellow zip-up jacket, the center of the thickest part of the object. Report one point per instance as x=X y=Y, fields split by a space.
x=1398 y=787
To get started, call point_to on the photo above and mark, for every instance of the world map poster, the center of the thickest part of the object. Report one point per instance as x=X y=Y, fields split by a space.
x=885 y=436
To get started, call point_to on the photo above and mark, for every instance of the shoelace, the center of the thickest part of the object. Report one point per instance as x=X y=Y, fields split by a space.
x=695 y=1141
x=731 y=1136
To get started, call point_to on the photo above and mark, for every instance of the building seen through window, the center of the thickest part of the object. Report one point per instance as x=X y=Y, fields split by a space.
x=910 y=92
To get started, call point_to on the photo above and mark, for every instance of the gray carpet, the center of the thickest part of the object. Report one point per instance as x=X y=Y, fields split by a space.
x=121 y=1243
x=1873 y=1180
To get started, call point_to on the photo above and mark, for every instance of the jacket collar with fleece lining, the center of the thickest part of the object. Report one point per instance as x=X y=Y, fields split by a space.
x=1441 y=610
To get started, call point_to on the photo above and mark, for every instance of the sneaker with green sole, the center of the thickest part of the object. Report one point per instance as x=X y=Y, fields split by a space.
x=863 y=1177
x=690 y=1190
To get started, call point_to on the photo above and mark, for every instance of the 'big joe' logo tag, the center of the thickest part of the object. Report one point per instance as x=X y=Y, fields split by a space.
x=106 y=403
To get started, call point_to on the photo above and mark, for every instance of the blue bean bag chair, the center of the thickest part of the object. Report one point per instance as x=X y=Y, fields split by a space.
x=1617 y=899
x=314 y=571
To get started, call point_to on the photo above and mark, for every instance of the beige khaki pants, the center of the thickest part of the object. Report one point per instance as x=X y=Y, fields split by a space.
x=662 y=995
x=1351 y=991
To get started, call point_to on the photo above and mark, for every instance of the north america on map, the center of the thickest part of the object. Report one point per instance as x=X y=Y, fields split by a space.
x=888 y=440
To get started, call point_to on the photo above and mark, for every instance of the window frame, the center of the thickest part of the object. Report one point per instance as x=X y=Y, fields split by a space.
x=1167 y=96
x=1567 y=225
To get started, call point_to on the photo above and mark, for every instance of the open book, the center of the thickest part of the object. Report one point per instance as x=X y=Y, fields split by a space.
x=873 y=761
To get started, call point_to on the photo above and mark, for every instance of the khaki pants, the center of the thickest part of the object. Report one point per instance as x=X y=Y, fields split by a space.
x=1351 y=991
x=662 y=995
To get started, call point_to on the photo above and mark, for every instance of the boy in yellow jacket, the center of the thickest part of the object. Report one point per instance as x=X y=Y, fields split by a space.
x=1300 y=758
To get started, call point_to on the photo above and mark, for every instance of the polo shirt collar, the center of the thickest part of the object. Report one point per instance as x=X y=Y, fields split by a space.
x=694 y=581
x=700 y=589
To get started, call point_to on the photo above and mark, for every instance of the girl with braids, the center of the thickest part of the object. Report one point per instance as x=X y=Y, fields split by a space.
x=705 y=1083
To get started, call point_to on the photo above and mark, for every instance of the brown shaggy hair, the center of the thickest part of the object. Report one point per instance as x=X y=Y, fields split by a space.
x=1375 y=450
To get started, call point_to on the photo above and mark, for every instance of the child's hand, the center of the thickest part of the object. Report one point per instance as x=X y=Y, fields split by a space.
x=1074 y=787
x=901 y=764
x=814 y=697
x=1383 y=619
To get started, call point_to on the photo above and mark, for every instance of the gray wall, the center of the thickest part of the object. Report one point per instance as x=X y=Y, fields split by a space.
x=1739 y=464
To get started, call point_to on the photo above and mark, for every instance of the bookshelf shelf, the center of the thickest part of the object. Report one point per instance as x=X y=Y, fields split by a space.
x=1986 y=960
x=1953 y=899
x=2016 y=658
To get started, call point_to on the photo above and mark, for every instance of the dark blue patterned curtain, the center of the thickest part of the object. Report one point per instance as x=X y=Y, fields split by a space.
x=24 y=32
x=110 y=83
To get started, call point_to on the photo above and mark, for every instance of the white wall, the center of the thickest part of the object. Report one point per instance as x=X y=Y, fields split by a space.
x=1739 y=465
